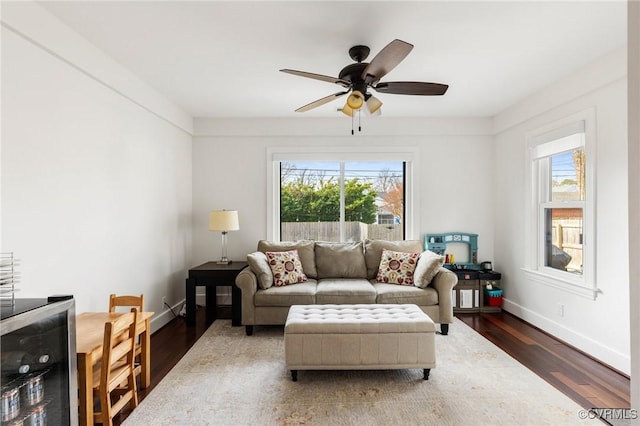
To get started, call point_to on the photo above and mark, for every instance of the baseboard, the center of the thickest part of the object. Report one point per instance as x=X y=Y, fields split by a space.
x=605 y=355
x=160 y=319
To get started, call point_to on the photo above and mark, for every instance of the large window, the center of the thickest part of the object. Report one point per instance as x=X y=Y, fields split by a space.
x=563 y=233
x=342 y=194
x=341 y=200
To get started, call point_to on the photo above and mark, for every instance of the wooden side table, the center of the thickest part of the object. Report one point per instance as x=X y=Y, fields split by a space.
x=211 y=275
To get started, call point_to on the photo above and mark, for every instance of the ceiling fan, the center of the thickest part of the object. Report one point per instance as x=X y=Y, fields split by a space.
x=359 y=77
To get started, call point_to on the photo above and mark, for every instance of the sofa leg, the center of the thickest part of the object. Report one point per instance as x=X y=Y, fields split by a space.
x=426 y=374
x=248 y=329
x=444 y=329
x=294 y=375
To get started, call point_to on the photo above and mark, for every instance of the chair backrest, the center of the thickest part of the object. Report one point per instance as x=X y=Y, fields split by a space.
x=126 y=301
x=117 y=367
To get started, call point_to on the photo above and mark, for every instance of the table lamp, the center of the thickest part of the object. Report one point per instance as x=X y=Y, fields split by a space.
x=224 y=221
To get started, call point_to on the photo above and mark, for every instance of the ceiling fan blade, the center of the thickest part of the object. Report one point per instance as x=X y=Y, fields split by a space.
x=320 y=77
x=321 y=101
x=386 y=60
x=412 y=88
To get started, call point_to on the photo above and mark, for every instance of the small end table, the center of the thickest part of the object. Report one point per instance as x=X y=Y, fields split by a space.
x=211 y=275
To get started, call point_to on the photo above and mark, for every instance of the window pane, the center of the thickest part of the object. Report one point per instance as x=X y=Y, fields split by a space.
x=567 y=176
x=383 y=213
x=563 y=239
x=311 y=194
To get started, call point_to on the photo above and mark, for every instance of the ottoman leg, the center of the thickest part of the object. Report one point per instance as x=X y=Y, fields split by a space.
x=294 y=375
x=426 y=374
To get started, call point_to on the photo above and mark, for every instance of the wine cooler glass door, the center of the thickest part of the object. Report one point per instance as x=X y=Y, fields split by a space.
x=36 y=376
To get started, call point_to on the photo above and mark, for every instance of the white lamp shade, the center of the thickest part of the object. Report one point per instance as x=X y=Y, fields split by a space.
x=223 y=220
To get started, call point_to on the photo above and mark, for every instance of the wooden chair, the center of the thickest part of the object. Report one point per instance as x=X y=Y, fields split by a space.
x=116 y=381
x=131 y=302
x=126 y=301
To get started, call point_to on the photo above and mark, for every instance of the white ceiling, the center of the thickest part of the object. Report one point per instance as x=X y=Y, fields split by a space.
x=221 y=59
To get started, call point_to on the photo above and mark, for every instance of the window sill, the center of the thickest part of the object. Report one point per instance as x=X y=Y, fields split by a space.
x=570 y=286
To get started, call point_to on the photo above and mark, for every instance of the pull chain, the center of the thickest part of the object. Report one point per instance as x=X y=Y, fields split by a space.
x=352 y=120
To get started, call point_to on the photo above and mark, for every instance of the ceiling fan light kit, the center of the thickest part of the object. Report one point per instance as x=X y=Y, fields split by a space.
x=355 y=100
x=360 y=76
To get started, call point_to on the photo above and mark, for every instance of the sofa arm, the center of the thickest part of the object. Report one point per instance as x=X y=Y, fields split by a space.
x=444 y=282
x=247 y=282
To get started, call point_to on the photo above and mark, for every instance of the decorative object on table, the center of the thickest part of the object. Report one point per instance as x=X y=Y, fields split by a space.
x=486 y=266
x=224 y=221
x=8 y=279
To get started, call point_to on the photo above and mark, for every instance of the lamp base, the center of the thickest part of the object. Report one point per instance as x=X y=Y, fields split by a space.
x=223 y=262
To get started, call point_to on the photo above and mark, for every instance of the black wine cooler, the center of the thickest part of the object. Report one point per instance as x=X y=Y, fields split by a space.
x=39 y=376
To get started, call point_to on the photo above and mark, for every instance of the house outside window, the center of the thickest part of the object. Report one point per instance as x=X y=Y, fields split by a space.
x=340 y=196
x=561 y=212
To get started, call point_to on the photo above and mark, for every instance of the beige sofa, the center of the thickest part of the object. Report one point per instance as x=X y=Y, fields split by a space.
x=342 y=273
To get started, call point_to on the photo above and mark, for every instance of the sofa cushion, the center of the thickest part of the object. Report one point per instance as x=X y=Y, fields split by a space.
x=305 y=251
x=286 y=267
x=298 y=294
x=401 y=294
x=397 y=267
x=340 y=260
x=373 y=252
x=427 y=268
x=345 y=291
x=260 y=266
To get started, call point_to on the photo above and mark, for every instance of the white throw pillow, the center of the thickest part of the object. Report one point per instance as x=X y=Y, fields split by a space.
x=427 y=268
x=260 y=266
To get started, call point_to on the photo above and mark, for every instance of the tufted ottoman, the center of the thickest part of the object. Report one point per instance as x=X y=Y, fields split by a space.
x=358 y=337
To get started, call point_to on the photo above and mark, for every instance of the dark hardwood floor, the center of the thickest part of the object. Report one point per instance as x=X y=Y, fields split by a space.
x=580 y=377
x=583 y=379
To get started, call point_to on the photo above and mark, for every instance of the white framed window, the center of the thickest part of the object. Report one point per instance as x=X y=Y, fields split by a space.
x=347 y=194
x=561 y=209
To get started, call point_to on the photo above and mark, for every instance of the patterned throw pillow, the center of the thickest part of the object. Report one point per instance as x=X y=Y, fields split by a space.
x=397 y=267
x=286 y=267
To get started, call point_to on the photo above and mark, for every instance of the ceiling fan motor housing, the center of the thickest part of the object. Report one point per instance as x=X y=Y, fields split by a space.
x=353 y=73
x=359 y=53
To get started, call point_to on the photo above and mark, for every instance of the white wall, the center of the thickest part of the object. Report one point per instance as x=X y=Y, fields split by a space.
x=454 y=172
x=96 y=171
x=600 y=327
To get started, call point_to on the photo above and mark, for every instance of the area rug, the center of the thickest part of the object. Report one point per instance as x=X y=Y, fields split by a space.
x=228 y=378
